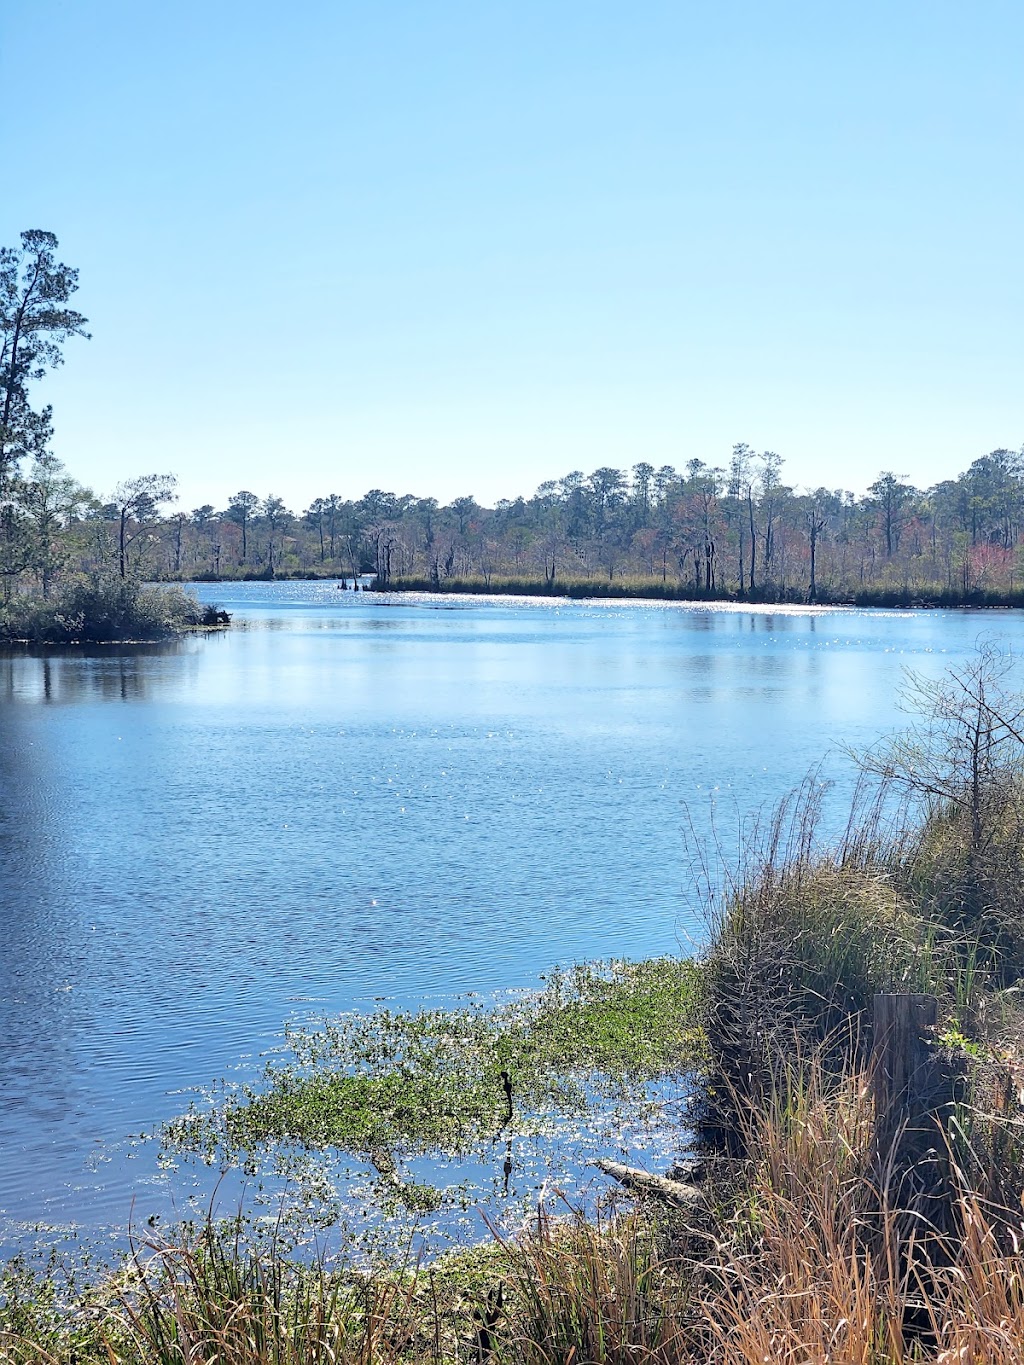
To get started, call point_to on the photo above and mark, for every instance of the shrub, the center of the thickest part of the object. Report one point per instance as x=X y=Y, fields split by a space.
x=103 y=610
x=975 y=891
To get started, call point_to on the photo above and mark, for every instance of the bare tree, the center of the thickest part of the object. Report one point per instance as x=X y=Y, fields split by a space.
x=965 y=747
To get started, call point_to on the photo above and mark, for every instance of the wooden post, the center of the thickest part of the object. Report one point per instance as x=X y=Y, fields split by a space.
x=901 y=1063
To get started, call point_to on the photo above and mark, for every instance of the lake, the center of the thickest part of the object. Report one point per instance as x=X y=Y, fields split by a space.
x=351 y=797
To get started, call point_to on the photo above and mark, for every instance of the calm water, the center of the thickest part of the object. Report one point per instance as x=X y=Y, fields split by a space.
x=349 y=797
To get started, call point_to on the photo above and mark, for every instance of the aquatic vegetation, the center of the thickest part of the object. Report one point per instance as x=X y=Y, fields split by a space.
x=395 y=1084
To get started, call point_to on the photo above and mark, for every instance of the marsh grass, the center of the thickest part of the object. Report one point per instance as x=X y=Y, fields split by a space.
x=210 y=1296
x=823 y=1260
x=923 y=593
x=505 y=585
x=216 y=1300
x=606 y=1290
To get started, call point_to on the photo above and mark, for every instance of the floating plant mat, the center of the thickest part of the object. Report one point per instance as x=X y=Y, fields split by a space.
x=444 y=1109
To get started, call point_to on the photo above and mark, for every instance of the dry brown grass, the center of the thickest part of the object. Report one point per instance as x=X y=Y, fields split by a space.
x=825 y=1263
x=805 y=1255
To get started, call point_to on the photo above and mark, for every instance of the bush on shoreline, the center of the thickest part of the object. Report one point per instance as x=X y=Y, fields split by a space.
x=92 y=610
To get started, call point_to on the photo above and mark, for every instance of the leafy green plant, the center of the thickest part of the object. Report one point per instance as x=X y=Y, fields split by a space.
x=104 y=609
x=450 y=1081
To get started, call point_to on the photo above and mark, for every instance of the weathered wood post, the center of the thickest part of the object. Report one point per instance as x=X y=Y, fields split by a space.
x=900 y=1060
x=902 y=1075
x=913 y=1089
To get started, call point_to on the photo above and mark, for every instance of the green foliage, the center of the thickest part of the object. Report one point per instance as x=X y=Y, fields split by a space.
x=94 y=609
x=926 y=593
x=572 y=587
x=447 y=1081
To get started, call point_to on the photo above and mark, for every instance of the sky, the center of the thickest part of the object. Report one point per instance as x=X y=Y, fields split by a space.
x=450 y=247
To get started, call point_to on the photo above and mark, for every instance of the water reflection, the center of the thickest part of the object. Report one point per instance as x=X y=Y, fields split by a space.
x=199 y=840
x=41 y=942
x=118 y=673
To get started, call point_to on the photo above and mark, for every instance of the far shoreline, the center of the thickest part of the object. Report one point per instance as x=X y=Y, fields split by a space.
x=901 y=599
x=591 y=592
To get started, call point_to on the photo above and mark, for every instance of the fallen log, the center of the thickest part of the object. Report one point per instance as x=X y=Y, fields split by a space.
x=676 y=1192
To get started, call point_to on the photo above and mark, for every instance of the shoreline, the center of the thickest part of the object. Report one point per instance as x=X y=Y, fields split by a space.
x=597 y=591
x=20 y=644
x=582 y=590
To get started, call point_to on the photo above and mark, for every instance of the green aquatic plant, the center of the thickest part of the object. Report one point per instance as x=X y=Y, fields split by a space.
x=395 y=1084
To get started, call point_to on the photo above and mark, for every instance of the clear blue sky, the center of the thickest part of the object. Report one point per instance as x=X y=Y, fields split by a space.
x=460 y=247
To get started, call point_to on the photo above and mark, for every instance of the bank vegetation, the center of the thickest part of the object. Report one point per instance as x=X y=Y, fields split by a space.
x=811 y=1218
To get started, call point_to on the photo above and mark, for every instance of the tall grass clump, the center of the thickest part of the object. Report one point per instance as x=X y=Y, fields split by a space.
x=974 y=886
x=820 y=1264
x=209 y=1295
x=607 y=1291
x=213 y=1299
x=806 y=937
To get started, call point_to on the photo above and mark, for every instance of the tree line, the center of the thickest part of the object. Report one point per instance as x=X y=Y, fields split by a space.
x=736 y=529
x=708 y=529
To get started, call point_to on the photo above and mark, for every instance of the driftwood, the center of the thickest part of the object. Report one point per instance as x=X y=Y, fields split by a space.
x=676 y=1192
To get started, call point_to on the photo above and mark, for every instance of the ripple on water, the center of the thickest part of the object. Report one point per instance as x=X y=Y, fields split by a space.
x=348 y=798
